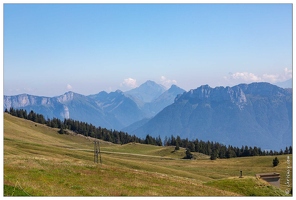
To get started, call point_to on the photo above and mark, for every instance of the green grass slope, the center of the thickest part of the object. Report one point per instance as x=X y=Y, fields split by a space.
x=40 y=162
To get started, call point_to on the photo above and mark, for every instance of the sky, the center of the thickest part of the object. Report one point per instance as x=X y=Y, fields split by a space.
x=49 y=49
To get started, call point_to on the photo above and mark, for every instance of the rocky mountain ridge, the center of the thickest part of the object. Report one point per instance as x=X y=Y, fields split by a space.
x=114 y=110
x=247 y=114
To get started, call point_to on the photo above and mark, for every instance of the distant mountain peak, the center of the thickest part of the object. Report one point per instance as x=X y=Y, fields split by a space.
x=174 y=87
x=150 y=83
x=69 y=93
x=119 y=91
x=68 y=96
x=205 y=86
x=103 y=92
x=147 y=91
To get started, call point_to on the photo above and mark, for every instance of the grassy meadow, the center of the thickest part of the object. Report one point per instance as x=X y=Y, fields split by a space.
x=40 y=162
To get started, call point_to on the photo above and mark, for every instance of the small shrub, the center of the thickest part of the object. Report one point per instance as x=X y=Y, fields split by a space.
x=61 y=131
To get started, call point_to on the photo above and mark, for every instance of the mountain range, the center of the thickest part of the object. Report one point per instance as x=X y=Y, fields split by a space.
x=114 y=110
x=256 y=114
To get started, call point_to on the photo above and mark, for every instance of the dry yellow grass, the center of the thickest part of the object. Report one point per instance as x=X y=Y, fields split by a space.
x=44 y=163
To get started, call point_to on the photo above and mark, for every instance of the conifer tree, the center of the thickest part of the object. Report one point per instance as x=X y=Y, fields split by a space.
x=290 y=150
x=61 y=131
x=275 y=161
x=177 y=146
x=213 y=155
x=188 y=154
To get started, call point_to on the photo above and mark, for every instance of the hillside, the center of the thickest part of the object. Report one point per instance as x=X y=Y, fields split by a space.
x=40 y=162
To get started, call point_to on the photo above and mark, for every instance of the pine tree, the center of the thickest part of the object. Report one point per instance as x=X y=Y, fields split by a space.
x=158 y=141
x=290 y=150
x=188 y=154
x=177 y=146
x=191 y=146
x=165 y=142
x=213 y=155
x=12 y=111
x=61 y=131
x=286 y=150
x=275 y=161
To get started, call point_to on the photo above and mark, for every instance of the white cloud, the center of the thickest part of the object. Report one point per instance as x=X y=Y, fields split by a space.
x=248 y=77
x=129 y=82
x=167 y=82
x=69 y=87
x=245 y=76
x=288 y=73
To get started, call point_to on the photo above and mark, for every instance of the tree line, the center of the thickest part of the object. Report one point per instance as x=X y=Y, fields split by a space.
x=218 y=150
x=213 y=149
x=83 y=128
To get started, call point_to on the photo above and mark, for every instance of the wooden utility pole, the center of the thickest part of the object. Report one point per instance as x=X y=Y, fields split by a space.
x=97 y=151
x=100 y=152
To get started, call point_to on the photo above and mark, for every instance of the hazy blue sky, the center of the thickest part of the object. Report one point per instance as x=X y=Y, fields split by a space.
x=50 y=49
